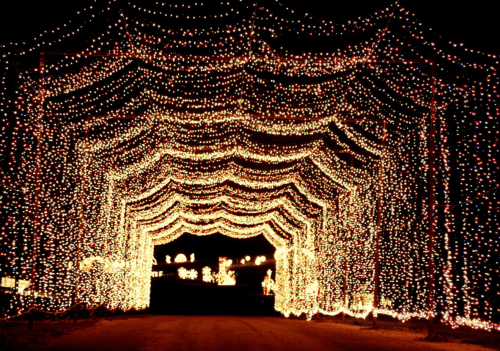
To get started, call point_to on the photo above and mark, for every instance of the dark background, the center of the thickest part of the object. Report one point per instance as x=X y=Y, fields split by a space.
x=476 y=24
x=172 y=295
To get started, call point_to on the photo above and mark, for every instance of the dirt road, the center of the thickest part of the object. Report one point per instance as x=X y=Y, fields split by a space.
x=207 y=333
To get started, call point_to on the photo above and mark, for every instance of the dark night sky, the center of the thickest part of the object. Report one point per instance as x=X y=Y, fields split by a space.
x=475 y=24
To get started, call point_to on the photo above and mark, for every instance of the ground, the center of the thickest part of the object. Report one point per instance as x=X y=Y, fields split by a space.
x=155 y=332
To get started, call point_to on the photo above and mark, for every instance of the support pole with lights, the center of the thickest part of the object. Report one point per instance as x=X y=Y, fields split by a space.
x=377 y=240
x=432 y=204
x=37 y=174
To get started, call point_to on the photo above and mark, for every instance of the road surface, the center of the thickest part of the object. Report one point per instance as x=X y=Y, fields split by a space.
x=210 y=333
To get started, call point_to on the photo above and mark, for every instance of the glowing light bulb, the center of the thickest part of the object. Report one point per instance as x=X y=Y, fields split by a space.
x=180 y=258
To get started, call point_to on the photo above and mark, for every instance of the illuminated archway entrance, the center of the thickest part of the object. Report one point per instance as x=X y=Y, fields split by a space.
x=282 y=215
x=151 y=126
x=143 y=187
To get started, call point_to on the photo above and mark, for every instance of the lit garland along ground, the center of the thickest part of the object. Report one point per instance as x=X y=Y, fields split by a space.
x=245 y=121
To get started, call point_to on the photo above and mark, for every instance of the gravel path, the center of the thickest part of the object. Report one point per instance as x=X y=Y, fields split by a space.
x=207 y=333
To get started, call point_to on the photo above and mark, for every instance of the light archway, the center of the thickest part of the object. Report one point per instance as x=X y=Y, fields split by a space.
x=287 y=222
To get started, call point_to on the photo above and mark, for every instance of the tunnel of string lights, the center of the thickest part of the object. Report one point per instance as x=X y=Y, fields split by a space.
x=365 y=152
